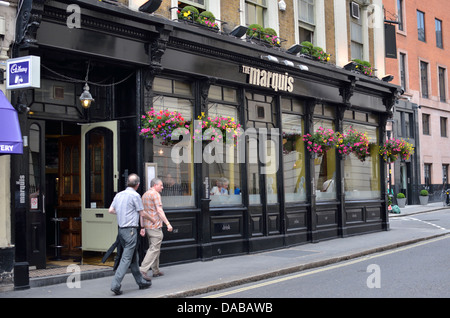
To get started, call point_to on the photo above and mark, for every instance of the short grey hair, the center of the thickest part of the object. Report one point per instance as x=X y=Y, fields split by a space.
x=155 y=181
x=133 y=180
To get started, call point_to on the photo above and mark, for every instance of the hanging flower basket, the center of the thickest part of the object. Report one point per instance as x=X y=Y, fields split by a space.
x=393 y=148
x=216 y=128
x=321 y=141
x=162 y=124
x=353 y=142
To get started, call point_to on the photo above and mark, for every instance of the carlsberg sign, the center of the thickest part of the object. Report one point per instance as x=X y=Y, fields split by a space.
x=268 y=79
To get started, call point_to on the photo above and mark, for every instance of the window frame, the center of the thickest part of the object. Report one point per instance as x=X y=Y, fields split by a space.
x=439 y=38
x=421 y=25
x=442 y=76
x=426 y=124
x=443 y=126
x=255 y=3
x=424 y=78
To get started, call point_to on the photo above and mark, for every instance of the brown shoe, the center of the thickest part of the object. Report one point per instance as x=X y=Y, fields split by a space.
x=158 y=274
x=144 y=275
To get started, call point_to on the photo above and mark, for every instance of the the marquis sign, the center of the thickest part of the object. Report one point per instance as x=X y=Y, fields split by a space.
x=23 y=72
x=268 y=79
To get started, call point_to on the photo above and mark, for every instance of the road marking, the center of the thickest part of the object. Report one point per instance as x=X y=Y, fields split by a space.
x=358 y=260
x=429 y=223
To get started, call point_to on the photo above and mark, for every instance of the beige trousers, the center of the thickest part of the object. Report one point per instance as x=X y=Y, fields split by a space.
x=151 y=259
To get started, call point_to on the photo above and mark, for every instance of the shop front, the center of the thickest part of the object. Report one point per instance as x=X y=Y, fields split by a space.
x=261 y=188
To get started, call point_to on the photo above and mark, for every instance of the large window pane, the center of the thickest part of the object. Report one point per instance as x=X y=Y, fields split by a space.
x=362 y=179
x=325 y=168
x=174 y=168
x=293 y=159
x=224 y=173
x=253 y=170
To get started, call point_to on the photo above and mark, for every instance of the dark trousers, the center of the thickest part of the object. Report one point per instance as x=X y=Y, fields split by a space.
x=128 y=239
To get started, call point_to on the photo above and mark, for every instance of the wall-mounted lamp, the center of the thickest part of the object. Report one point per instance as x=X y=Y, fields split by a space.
x=388 y=78
x=150 y=6
x=282 y=5
x=86 y=97
x=270 y=58
x=239 y=31
x=294 y=49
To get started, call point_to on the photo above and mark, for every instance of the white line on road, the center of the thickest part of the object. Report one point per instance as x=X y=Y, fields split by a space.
x=429 y=223
x=362 y=259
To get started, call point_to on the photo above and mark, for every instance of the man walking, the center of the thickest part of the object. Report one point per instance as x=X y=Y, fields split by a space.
x=127 y=205
x=153 y=228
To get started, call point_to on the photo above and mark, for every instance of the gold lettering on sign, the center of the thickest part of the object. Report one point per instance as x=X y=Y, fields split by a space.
x=268 y=79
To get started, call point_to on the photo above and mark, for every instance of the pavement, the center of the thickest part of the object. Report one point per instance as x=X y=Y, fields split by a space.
x=195 y=278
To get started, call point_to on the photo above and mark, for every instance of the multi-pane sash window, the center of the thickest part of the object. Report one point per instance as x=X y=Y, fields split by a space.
x=254 y=11
x=306 y=20
x=306 y=11
x=421 y=25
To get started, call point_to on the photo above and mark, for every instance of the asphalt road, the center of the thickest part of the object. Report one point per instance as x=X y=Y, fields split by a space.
x=415 y=271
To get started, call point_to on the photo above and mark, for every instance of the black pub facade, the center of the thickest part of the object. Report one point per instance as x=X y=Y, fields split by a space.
x=278 y=195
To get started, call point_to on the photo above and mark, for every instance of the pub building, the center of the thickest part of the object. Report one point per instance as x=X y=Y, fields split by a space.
x=77 y=158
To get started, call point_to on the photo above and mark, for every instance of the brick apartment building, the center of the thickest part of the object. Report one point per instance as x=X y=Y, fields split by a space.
x=423 y=113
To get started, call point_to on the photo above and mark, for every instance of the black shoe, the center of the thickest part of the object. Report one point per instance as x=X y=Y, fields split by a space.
x=145 y=286
x=116 y=291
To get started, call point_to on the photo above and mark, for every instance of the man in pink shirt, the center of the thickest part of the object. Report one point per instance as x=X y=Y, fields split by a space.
x=153 y=228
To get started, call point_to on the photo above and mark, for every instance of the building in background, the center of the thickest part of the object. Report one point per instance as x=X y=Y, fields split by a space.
x=422 y=113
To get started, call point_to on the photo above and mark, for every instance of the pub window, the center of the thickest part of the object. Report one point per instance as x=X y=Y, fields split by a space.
x=294 y=174
x=362 y=178
x=424 y=78
x=443 y=126
x=442 y=84
x=224 y=170
x=177 y=175
x=255 y=11
x=426 y=124
x=325 y=167
x=421 y=25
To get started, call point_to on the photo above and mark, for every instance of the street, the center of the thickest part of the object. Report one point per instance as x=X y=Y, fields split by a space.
x=413 y=271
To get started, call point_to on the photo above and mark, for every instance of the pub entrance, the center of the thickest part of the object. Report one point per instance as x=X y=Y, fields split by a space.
x=81 y=176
